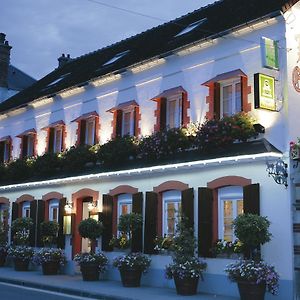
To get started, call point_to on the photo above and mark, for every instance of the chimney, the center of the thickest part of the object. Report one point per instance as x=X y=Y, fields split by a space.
x=63 y=60
x=4 y=60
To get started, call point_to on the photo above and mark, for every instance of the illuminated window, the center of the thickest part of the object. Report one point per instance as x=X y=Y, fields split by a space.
x=53 y=210
x=124 y=204
x=174 y=111
x=231 y=98
x=171 y=211
x=58 y=134
x=90 y=131
x=26 y=209
x=230 y=206
x=128 y=123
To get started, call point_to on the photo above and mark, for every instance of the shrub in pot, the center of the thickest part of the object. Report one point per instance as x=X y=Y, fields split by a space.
x=3 y=242
x=20 y=228
x=49 y=231
x=21 y=255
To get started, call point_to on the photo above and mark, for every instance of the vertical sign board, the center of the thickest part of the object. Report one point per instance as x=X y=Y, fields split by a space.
x=67 y=224
x=264 y=91
x=269 y=49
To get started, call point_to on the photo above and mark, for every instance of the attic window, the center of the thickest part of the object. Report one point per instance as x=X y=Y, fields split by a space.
x=191 y=27
x=116 y=57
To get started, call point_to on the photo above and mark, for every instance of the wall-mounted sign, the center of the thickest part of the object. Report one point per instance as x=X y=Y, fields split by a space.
x=269 y=49
x=296 y=79
x=67 y=224
x=264 y=91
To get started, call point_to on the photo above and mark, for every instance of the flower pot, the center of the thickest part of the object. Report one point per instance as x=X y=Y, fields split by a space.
x=21 y=265
x=131 y=277
x=251 y=290
x=50 y=268
x=2 y=258
x=89 y=271
x=186 y=286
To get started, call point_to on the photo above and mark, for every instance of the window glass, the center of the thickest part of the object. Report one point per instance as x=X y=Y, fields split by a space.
x=124 y=204
x=53 y=210
x=90 y=131
x=127 y=120
x=230 y=206
x=230 y=98
x=30 y=145
x=174 y=111
x=57 y=140
x=171 y=211
x=26 y=209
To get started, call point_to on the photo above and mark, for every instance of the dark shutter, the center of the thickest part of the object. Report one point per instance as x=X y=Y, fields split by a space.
x=24 y=145
x=119 y=121
x=251 y=199
x=244 y=83
x=61 y=213
x=135 y=120
x=2 y=145
x=14 y=215
x=163 y=113
x=82 y=132
x=205 y=225
x=150 y=231
x=137 y=236
x=107 y=219
x=187 y=206
x=33 y=230
x=51 y=140
x=217 y=100
x=40 y=219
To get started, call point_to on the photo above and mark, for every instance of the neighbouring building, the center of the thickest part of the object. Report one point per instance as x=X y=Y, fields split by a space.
x=227 y=57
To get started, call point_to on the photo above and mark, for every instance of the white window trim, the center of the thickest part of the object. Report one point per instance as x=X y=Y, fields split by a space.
x=56 y=129
x=25 y=207
x=131 y=111
x=54 y=203
x=173 y=196
x=232 y=82
x=178 y=110
x=233 y=193
x=30 y=144
x=90 y=121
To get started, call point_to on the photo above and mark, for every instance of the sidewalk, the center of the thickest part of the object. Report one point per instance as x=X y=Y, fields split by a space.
x=105 y=290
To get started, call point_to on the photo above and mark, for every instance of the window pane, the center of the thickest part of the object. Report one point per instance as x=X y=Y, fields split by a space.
x=54 y=214
x=27 y=212
x=240 y=207
x=227 y=100
x=171 y=218
x=90 y=132
x=238 y=98
x=228 y=218
x=172 y=113
x=58 y=140
x=126 y=123
x=30 y=145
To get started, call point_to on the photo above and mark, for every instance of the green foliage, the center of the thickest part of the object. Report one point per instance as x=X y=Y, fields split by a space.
x=4 y=227
x=129 y=223
x=49 y=231
x=20 y=229
x=47 y=165
x=90 y=229
x=19 y=170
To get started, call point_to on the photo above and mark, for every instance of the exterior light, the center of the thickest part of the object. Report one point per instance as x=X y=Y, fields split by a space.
x=278 y=170
x=91 y=205
x=68 y=207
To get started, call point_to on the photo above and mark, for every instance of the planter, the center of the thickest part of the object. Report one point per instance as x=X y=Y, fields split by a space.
x=90 y=272
x=131 y=277
x=50 y=268
x=186 y=286
x=2 y=258
x=251 y=291
x=21 y=265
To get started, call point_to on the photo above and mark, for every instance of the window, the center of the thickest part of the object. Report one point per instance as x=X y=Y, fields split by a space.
x=5 y=146
x=53 y=210
x=191 y=27
x=231 y=98
x=128 y=123
x=171 y=211
x=26 y=209
x=230 y=204
x=90 y=131
x=174 y=111
x=124 y=204
x=3 y=212
x=28 y=140
x=58 y=134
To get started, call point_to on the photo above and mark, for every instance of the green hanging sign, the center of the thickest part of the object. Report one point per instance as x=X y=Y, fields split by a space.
x=269 y=53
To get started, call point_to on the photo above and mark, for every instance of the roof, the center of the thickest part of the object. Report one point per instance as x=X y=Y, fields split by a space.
x=225 y=76
x=219 y=18
x=18 y=80
x=170 y=92
x=123 y=105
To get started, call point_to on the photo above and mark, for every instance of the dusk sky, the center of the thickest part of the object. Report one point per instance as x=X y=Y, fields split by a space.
x=41 y=30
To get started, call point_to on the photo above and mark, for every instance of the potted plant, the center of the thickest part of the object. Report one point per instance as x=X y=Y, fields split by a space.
x=50 y=259
x=121 y=242
x=90 y=263
x=49 y=231
x=186 y=268
x=20 y=228
x=131 y=267
x=21 y=255
x=163 y=244
x=227 y=249
x=3 y=242
x=253 y=278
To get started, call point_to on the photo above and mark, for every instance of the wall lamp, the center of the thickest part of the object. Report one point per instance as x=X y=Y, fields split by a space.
x=68 y=206
x=278 y=170
x=92 y=205
x=259 y=128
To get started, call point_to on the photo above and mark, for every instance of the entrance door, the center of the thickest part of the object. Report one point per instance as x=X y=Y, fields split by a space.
x=85 y=245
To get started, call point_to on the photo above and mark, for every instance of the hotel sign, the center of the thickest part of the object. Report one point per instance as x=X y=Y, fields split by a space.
x=264 y=91
x=269 y=53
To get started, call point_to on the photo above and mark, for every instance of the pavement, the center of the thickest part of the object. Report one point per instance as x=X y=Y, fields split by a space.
x=102 y=289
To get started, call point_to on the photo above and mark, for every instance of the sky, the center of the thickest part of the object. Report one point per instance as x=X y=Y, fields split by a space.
x=41 y=30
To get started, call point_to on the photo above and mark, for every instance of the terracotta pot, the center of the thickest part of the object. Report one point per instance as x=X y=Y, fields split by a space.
x=251 y=290
x=131 y=277
x=90 y=272
x=186 y=286
x=21 y=265
x=2 y=258
x=50 y=268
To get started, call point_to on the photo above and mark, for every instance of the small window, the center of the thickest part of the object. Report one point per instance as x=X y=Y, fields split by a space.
x=58 y=134
x=3 y=212
x=4 y=151
x=116 y=57
x=128 y=123
x=171 y=211
x=231 y=98
x=53 y=210
x=191 y=27
x=90 y=131
x=174 y=112
x=26 y=209
x=30 y=145
x=230 y=205
x=124 y=204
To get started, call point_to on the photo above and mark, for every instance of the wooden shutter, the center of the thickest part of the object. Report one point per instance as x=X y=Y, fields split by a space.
x=251 y=199
x=107 y=219
x=61 y=213
x=2 y=152
x=244 y=84
x=150 y=228
x=187 y=206
x=33 y=230
x=14 y=216
x=82 y=132
x=137 y=236
x=205 y=225
x=51 y=140
x=40 y=219
x=217 y=100
x=119 y=121
x=163 y=113
x=24 y=146
x=135 y=120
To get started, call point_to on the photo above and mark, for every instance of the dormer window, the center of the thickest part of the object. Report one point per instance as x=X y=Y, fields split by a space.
x=5 y=149
x=55 y=137
x=191 y=27
x=28 y=143
x=116 y=57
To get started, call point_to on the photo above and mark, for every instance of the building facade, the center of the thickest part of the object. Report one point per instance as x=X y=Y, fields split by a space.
x=205 y=65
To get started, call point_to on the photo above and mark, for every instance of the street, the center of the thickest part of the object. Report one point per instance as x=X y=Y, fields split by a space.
x=15 y=292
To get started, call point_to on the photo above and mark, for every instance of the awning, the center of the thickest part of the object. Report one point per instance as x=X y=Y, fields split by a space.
x=123 y=105
x=169 y=92
x=5 y=138
x=86 y=116
x=27 y=132
x=225 y=76
x=54 y=124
